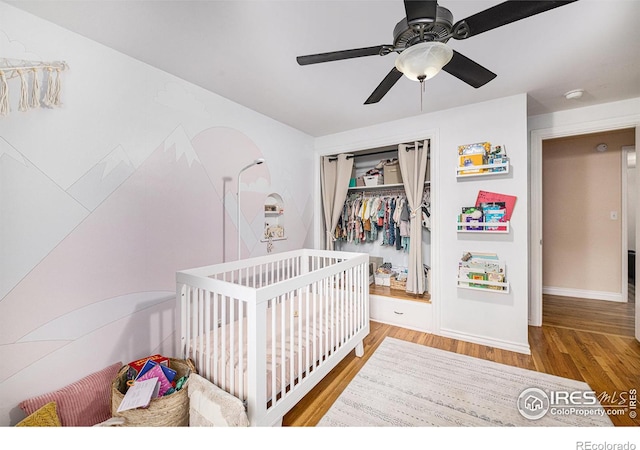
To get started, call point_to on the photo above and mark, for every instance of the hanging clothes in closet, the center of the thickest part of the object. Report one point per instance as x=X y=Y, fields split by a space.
x=370 y=217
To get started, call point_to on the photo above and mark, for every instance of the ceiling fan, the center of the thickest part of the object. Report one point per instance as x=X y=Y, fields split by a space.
x=420 y=40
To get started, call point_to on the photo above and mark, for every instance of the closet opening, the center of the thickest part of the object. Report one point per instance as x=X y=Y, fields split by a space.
x=375 y=217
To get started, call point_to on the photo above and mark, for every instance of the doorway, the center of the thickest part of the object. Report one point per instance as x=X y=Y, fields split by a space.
x=584 y=216
x=585 y=258
x=536 y=235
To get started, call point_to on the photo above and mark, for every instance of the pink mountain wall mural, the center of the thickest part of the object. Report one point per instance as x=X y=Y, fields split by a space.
x=122 y=258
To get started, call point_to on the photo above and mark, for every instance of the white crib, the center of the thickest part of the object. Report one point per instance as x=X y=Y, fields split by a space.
x=268 y=329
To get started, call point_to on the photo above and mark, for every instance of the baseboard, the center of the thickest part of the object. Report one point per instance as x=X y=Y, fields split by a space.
x=403 y=325
x=580 y=293
x=484 y=340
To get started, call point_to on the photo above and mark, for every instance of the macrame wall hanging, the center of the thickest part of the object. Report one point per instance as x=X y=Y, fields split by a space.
x=39 y=83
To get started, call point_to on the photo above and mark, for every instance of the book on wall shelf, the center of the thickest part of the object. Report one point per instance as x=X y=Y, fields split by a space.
x=483 y=271
x=470 y=219
x=491 y=213
x=482 y=158
x=494 y=212
x=495 y=198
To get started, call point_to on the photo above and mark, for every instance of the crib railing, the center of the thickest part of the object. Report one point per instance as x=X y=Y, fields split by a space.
x=267 y=329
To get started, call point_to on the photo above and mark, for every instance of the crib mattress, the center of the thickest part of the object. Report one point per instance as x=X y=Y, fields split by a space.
x=295 y=341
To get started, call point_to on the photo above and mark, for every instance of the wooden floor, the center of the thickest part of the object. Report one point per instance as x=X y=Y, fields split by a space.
x=585 y=340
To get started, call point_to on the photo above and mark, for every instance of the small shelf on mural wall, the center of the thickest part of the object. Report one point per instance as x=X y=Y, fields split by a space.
x=273 y=220
x=273 y=239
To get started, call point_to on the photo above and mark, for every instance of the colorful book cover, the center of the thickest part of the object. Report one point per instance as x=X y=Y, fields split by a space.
x=471 y=155
x=168 y=372
x=494 y=212
x=496 y=277
x=469 y=161
x=471 y=214
x=494 y=197
x=138 y=364
x=478 y=276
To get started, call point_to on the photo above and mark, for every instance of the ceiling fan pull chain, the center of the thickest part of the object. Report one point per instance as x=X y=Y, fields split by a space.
x=422 y=90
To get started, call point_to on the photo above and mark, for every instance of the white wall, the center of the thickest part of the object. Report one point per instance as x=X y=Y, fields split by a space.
x=485 y=317
x=104 y=199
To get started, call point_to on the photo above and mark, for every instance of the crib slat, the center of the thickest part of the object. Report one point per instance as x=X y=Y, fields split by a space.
x=232 y=345
x=314 y=315
x=194 y=316
x=272 y=338
x=223 y=349
x=241 y=349
x=216 y=340
x=291 y=339
x=207 y=335
x=307 y=361
x=283 y=335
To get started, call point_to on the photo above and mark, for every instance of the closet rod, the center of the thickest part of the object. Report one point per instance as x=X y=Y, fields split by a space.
x=333 y=158
x=378 y=192
x=413 y=147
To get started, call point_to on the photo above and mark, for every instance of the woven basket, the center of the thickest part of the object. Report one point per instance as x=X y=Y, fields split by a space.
x=395 y=284
x=168 y=411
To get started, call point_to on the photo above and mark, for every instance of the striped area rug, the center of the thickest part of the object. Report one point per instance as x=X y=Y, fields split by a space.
x=405 y=384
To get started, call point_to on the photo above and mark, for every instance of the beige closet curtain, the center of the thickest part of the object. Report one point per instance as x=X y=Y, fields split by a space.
x=413 y=165
x=334 y=178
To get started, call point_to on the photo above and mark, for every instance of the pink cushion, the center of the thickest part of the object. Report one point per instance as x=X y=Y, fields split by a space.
x=86 y=402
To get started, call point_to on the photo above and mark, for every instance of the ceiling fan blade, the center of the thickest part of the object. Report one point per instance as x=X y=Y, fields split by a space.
x=339 y=55
x=468 y=71
x=384 y=86
x=502 y=14
x=420 y=11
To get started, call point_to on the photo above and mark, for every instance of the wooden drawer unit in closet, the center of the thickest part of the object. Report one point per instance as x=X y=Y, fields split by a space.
x=414 y=315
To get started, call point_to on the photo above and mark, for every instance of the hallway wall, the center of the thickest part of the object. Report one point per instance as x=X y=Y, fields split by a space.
x=582 y=192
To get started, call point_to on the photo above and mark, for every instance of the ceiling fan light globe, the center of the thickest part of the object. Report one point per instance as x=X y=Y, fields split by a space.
x=424 y=59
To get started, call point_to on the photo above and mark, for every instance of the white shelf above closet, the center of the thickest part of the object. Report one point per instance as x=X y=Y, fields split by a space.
x=381 y=187
x=491 y=169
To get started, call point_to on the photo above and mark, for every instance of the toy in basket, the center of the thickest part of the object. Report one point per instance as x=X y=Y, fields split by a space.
x=170 y=410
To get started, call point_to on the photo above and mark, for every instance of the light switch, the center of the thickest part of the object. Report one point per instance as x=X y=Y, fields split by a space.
x=614 y=215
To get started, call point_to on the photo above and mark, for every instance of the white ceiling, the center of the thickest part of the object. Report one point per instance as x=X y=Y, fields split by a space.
x=246 y=51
